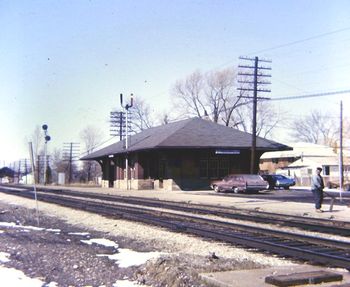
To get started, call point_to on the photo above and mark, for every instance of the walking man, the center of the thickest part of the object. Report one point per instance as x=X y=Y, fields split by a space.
x=317 y=186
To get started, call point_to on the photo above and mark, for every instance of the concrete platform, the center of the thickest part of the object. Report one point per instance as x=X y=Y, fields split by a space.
x=256 y=277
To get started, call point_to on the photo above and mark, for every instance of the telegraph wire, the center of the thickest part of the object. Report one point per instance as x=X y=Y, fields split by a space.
x=310 y=96
x=301 y=41
x=274 y=48
x=290 y=98
x=288 y=44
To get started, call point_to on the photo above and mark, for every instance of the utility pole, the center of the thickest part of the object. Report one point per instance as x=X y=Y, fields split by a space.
x=19 y=170
x=127 y=107
x=253 y=79
x=26 y=170
x=341 y=167
x=117 y=124
x=70 y=153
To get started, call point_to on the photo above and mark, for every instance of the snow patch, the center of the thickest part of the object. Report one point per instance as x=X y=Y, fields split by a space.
x=79 y=233
x=51 y=284
x=13 y=277
x=27 y=228
x=127 y=257
x=14 y=225
x=101 y=241
x=4 y=257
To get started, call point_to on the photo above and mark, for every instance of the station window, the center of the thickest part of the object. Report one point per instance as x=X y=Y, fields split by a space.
x=213 y=168
x=203 y=168
x=223 y=168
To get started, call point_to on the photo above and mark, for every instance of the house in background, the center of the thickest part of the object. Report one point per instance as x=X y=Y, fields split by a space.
x=303 y=168
x=301 y=162
x=272 y=161
x=184 y=155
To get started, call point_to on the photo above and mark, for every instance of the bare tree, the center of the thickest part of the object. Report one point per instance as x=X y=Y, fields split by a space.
x=267 y=118
x=91 y=137
x=215 y=94
x=315 y=128
x=37 y=139
x=141 y=116
x=222 y=95
x=189 y=95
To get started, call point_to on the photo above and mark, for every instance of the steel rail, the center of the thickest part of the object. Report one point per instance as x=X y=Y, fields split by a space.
x=306 y=223
x=325 y=251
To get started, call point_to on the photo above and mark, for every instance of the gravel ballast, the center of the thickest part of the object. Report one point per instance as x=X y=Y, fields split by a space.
x=63 y=258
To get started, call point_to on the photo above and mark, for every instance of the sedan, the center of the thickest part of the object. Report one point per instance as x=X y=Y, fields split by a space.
x=240 y=183
x=278 y=180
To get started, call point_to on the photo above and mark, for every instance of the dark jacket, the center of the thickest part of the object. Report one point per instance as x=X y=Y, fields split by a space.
x=317 y=182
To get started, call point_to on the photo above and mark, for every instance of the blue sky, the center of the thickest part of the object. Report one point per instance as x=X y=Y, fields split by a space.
x=64 y=63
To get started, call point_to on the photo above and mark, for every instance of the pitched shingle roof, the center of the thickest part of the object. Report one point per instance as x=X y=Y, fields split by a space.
x=191 y=133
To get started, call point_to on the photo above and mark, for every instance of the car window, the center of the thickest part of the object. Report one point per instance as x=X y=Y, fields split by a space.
x=252 y=177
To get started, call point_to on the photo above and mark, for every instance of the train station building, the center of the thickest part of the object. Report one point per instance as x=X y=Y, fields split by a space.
x=184 y=155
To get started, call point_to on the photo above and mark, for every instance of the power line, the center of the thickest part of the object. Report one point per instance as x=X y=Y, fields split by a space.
x=301 y=41
x=289 y=98
x=289 y=44
x=310 y=96
x=274 y=48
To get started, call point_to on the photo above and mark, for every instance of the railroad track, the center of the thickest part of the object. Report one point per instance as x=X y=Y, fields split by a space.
x=335 y=227
x=328 y=252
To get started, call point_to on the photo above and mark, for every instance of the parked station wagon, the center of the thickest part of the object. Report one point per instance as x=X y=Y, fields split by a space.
x=240 y=183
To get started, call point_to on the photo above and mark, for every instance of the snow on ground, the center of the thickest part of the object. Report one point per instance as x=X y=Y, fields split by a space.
x=101 y=241
x=79 y=233
x=15 y=225
x=4 y=257
x=124 y=258
x=13 y=277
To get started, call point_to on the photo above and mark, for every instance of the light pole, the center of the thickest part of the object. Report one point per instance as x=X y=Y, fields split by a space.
x=126 y=107
x=47 y=138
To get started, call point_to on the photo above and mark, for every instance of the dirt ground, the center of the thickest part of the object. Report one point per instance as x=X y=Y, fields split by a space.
x=61 y=257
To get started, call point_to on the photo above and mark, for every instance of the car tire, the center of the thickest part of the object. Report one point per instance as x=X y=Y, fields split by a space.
x=286 y=187
x=216 y=188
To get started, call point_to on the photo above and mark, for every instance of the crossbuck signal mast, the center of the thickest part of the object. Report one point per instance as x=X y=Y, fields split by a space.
x=252 y=77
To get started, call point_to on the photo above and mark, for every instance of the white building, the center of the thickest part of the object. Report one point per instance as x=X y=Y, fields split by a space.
x=303 y=160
